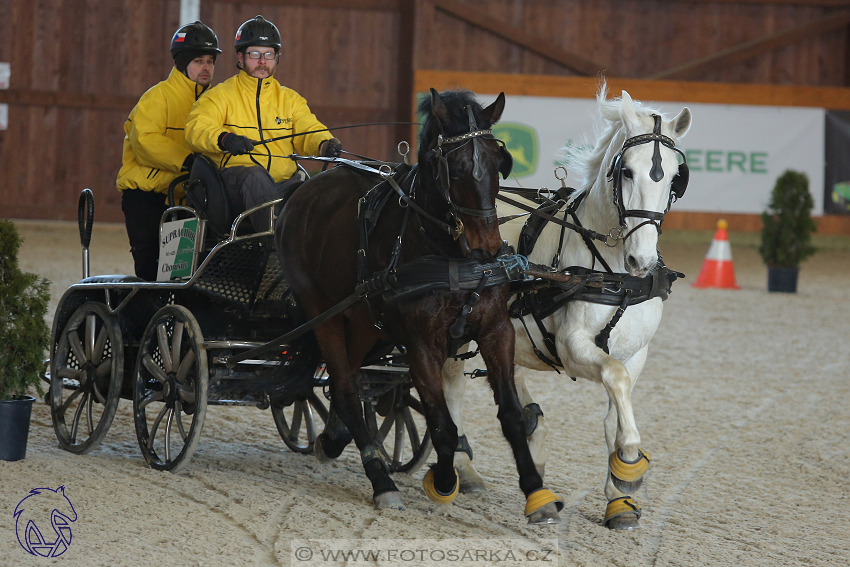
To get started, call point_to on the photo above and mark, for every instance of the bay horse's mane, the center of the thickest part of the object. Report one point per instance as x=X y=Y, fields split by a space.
x=590 y=163
x=456 y=102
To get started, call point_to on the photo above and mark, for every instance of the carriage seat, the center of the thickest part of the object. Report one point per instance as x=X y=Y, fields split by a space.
x=205 y=192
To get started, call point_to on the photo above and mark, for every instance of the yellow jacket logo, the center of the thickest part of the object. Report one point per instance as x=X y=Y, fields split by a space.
x=521 y=141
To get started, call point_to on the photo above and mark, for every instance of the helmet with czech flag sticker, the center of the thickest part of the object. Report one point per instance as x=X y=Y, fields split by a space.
x=195 y=37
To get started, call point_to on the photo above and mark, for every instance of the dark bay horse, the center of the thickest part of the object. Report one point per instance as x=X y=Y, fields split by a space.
x=449 y=202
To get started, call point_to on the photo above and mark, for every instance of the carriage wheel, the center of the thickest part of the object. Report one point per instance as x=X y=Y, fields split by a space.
x=301 y=422
x=170 y=389
x=85 y=377
x=397 y=424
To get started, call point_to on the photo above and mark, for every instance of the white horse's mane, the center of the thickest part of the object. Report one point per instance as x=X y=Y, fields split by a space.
x=588 y=161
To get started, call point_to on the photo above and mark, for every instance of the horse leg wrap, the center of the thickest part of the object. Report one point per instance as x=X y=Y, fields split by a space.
x=539 y=498
x=372 y=453
x=434 y=494
x=531 y=413
x=463 y=446
x=620 y=506
x=626 y=471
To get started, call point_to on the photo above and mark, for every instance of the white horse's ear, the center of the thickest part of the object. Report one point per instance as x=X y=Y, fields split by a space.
x=627 y=111
x=682 y=123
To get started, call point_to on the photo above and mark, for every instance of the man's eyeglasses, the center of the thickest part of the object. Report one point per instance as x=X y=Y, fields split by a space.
x=264 y=55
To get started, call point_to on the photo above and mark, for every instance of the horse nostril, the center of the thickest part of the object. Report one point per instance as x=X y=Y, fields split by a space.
x=631 y=261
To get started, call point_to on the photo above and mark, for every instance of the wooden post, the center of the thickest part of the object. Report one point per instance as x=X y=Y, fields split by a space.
x=405 y=68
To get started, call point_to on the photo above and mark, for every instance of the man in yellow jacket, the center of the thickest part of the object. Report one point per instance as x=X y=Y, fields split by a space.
x=229 y=123
x=155 y=148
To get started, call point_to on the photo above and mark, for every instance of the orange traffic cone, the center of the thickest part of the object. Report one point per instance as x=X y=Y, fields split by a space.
x=717 y=269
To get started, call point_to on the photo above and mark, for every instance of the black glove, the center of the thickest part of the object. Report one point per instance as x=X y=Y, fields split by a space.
x=187 y=163
x=235 y=144
x=330 y=148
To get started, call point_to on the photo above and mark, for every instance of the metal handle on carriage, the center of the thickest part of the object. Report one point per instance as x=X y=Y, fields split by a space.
x=85 y=218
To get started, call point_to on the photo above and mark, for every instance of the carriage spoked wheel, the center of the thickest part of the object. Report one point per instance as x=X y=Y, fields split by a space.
x=170 y=389
x=300 y=422
x=397 y=424
x=85 y=377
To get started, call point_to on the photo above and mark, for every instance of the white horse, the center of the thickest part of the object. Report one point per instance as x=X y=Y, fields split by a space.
x=643 y=193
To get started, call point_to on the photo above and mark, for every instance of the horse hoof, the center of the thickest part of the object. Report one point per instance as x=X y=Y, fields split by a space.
x=388 y=500
x=622 y=514
x=434 y=494
x=472 y=485
x=319 y=451
x=624 y=522
x=470 y=481
x=548 y=514
x=542 y=507
x=327 y=449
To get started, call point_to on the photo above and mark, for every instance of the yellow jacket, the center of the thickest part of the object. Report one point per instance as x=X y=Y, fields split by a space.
x=233 y=106
x=154 y=145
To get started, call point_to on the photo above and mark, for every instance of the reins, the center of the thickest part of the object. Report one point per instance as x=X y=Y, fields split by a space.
x=262 y=142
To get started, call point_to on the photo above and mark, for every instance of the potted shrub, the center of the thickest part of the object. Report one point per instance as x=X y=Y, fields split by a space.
x=24 y=337
x=786 y=234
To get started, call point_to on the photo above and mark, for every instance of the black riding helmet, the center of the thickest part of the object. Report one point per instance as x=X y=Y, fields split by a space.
x=195 y=37
x=257 y=31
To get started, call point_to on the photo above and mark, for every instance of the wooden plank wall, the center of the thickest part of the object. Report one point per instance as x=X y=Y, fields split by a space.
x=637 y=38
x=79 y=66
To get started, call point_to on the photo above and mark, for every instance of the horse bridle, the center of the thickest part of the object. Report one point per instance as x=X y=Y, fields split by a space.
x=677 y=188
x=443 y=176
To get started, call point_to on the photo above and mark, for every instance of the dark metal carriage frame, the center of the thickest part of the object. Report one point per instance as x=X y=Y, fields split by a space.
x=110 y=333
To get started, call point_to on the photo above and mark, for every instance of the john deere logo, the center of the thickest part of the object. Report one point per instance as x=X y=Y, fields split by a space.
x=521 y=141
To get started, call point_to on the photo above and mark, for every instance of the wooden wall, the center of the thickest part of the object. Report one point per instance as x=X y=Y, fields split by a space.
x=79 y=66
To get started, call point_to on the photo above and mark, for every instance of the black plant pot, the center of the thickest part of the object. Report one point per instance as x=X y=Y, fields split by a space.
x=15 y=427
x=782 y=279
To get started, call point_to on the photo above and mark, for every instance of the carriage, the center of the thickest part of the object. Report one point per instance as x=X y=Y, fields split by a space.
x=164 y=346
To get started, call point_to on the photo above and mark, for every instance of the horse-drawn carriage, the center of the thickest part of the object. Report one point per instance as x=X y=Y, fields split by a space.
x=163 y=345
x=430 y=277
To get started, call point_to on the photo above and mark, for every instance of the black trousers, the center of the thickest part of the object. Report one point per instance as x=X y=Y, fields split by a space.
x=250 y=186
x=142 y=213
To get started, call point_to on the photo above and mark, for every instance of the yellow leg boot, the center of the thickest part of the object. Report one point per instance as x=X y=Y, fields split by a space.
x=542 y=507
x=434 y=494
x=627 y=476
x=622 y=514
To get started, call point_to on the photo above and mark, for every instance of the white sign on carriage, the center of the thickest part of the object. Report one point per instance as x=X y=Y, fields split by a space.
x=735 y=152
x=176 y=249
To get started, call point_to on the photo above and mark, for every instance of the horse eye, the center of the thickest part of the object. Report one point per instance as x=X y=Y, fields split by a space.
x=454 y=174
x=627 y=173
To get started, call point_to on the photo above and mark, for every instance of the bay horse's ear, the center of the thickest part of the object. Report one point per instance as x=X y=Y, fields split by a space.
x=438 y=109
x=494 y=112
x=682 y=123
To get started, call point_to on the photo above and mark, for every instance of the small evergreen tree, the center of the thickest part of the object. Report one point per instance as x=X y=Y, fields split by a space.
x=24 y=336
x=786 y=234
